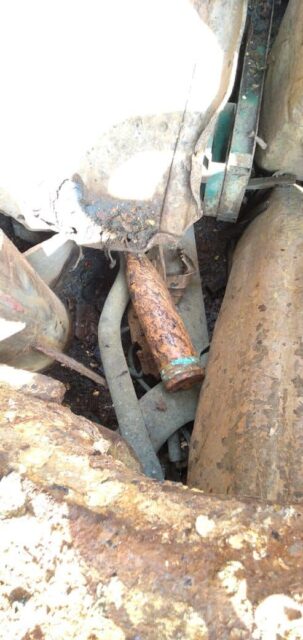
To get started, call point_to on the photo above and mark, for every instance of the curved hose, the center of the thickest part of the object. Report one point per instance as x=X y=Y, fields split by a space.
x=126 y=404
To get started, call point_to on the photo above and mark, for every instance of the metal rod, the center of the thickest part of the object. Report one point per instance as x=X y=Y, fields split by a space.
x=267 y=182
x=69 y=362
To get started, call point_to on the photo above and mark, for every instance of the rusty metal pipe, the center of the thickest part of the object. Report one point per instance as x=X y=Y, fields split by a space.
x=171 y=346
x=248 y=432
x=29 y=312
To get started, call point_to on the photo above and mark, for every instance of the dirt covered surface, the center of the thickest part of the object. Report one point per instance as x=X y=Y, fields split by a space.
x=214 y=244
x=84 y=289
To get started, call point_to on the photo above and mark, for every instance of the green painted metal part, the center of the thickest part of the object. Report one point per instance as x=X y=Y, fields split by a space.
x=233 y=145
x=179 y=365
x=218 y=150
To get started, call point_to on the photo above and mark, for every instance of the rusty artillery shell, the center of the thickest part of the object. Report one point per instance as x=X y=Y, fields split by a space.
x=168 y=339
x=248 y=432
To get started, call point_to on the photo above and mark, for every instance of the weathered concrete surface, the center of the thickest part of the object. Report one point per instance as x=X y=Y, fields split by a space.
x=107 y=554
x=281 y=121
x=247 y=438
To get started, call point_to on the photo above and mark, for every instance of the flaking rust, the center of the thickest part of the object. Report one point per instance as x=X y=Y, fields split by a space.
x=166 y=334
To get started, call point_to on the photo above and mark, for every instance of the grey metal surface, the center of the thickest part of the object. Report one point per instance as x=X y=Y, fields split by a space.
x=50 y=257
x=165 y=413
x=267 y=182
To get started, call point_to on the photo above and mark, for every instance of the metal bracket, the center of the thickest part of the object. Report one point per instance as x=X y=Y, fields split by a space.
x=230 y=153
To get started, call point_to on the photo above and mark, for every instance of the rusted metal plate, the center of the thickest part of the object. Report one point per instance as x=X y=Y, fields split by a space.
x=101 y=148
